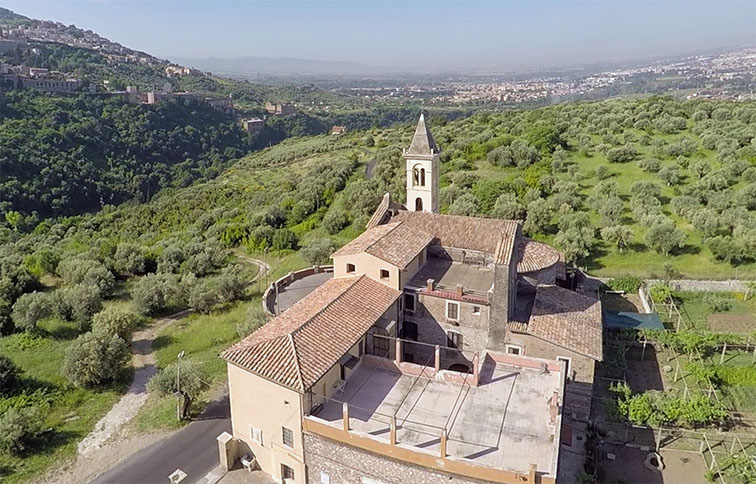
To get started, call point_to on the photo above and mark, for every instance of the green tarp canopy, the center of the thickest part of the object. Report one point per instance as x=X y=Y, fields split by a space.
x=628 y=320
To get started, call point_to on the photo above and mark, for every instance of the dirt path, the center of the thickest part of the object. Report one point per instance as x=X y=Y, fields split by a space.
x=143 y=361
x=109 y=442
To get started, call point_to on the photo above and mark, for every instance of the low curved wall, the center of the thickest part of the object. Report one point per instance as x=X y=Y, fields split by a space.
x=269 y=296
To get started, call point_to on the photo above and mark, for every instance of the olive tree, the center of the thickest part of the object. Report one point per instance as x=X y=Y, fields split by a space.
x=94 y=359
x=317 y=251
x=664 y=237
x=29 y=309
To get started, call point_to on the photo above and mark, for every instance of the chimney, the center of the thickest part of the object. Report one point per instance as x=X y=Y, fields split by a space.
x=429 y=284
x=460 y=290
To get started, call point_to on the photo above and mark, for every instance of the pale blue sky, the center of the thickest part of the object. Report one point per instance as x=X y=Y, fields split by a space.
x=440 y=34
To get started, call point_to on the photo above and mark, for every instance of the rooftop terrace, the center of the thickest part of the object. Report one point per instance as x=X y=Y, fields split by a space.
x=504 y=423
x=447 y=274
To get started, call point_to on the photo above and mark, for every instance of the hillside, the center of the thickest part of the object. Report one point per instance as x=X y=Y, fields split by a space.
x=685 y=171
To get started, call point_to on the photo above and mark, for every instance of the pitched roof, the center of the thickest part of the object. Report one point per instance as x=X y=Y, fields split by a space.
x=297 y=348
x=397 y=243
x=422 y=141
x=567 y=319
x=534 y=256
x=489 y=235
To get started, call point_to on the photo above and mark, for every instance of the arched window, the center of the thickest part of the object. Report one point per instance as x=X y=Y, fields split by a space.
x=415 y=176
x=419 y=204
x=422 y=177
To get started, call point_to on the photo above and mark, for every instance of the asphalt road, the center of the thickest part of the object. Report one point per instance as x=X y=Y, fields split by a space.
x=193 y=449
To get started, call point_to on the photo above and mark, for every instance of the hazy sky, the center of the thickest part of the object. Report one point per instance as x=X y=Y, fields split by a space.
x=441 y=34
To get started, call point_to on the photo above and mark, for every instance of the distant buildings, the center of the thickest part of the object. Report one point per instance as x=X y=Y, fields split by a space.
x=280 y=109
x=338 y=130
x=50 y=85
x=253 y=125
x=17 y=77
x=133 y=95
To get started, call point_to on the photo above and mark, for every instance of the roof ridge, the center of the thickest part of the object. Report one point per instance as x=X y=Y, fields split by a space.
x=323 y=308
x=298 y=364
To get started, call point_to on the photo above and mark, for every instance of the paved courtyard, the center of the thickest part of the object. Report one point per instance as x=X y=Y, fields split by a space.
x=298 y=289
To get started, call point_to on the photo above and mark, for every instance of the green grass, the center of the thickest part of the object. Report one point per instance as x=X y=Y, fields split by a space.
x=72 y=413
x=696 y=310
x=202 y=337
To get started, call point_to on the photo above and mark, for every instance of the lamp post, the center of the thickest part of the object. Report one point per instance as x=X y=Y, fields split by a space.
x=178 y=386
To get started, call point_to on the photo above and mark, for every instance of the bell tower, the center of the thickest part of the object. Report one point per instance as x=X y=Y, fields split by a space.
x=422 y=166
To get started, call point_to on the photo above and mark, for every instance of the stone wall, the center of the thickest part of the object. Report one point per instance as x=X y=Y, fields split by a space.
x=335 y=463
x=430 y=316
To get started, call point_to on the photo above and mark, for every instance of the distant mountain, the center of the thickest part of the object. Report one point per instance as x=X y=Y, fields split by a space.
x=279 y=65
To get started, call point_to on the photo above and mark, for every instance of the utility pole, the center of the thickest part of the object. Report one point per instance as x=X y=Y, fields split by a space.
x=178 y=386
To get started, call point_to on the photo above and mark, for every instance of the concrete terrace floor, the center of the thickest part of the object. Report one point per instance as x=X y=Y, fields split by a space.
x=503 y=423
x=449 y=274
x=298 y=289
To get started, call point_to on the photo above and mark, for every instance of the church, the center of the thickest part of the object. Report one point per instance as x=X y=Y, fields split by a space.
x=443 y=348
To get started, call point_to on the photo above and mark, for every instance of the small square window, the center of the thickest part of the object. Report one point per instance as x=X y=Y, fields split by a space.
x=287 y=436
x=452 y=310
x=350 y=268
x=476 y=310
x=384 y=274
x=514 y=350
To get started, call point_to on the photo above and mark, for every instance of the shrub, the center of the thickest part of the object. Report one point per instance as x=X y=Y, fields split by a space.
x=155 y=292
x=29 y=309
x=231 y=284
x=318 y=251
x=202 y=297
x=284 y=239
x=190 y=379
x=335 y=220
x=20 y=428
x=660 y=293
x=95 y=359
x=112 y=321
x=717 y=303
x=9 y=374
x=256 y=317
x=78 y=303
x=129 y=259
x=625 y=283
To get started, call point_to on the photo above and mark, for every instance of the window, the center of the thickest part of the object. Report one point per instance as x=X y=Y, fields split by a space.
x=384 y=274
x=409 y=303
x=410 y=330
x=422 y=177
x=287 y=436
x=476 y=310
x=567 y=362
x=415 y=176
x=452 y=311
x=350 y=268
x=256 y=435
x=287 y=472
x=514 y=350
x=454 y=340
x=419 y=204
x=324 y=478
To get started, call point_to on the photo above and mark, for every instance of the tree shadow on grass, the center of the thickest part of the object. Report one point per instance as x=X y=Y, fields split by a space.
x=162 y=341
x=50 y=441
x=687 y=249
x=65 y=332
x=591 y=263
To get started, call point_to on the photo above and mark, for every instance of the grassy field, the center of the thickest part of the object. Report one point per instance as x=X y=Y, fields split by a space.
x=71 y=413
x=736 y=317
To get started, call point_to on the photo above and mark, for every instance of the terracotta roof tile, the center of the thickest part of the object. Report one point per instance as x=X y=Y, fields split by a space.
x=567 y=319
x=489 y=235
x=535 y=256
x=396 y=243
x=298 y=347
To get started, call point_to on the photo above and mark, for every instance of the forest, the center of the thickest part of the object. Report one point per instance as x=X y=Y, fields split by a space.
x=68 y=155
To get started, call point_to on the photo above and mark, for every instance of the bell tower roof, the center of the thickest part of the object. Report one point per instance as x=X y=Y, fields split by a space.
x=422 y=142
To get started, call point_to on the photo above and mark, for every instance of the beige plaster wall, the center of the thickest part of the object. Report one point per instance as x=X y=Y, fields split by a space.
x=366 y=264
x=262 y=404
